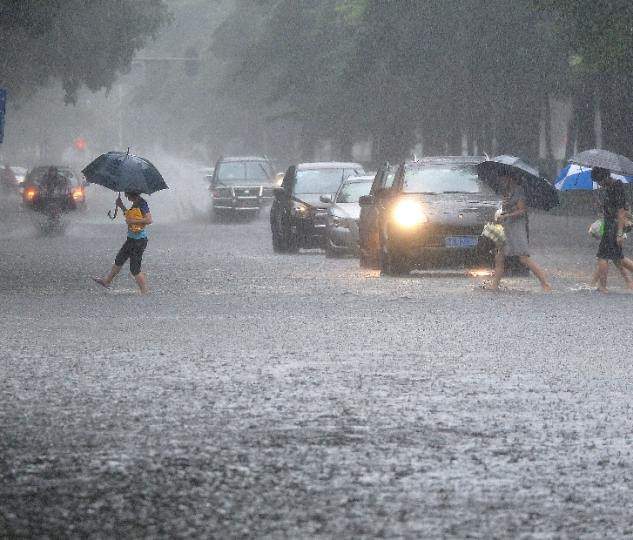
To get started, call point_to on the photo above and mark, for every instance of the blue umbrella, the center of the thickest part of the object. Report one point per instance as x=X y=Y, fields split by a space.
x=574 y=177
x=121 y=171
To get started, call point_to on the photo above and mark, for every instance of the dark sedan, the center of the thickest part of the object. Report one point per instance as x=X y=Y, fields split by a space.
x=434 y=213
x=297 y=215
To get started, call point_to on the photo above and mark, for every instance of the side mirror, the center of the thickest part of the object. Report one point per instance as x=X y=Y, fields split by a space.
x=325 y=199
x=366 y=200
x=208 y=178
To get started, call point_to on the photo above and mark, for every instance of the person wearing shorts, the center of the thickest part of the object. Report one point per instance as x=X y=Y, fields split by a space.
x=615 y=217
x=137 y=219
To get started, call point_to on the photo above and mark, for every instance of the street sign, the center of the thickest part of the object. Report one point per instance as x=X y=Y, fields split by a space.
x=3 y=104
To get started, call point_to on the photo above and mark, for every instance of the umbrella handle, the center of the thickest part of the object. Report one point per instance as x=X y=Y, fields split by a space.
x=112 y=215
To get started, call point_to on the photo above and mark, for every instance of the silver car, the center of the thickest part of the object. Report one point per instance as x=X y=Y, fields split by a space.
x=343 y=213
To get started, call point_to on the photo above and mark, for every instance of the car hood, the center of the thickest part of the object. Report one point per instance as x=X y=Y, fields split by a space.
x=312 y=199
x=445 y=205
x=346 y=210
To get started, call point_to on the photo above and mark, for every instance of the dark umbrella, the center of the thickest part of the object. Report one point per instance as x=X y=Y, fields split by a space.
x=539 y=192
x=122 y=171
x=597 y=157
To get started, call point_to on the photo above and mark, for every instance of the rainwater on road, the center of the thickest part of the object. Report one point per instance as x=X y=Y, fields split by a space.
x=261 y=395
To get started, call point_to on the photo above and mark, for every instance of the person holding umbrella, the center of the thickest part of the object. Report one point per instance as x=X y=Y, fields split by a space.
x=137 y=218
x=133 y=175
x=615 y=218
x=514 y=218
x=521 y=187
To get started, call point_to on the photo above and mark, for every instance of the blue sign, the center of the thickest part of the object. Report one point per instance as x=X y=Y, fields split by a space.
x=3 y=105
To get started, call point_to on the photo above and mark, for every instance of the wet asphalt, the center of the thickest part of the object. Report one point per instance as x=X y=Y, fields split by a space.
x=294 y=396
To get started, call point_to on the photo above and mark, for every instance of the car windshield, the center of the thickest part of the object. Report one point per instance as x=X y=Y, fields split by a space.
x=37 y=175
x=245 y=172
x=352 y=191
x=444 y=179
x=319 y=180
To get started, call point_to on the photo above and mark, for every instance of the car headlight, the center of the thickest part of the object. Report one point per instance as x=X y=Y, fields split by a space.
x=300 y=209
x=78 y=194
x=408 y=213
x=30 y=193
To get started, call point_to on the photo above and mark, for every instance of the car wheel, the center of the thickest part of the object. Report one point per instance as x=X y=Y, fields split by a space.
x=278 y=245
x=290 y=240
x=393 y=264
x=329 y=252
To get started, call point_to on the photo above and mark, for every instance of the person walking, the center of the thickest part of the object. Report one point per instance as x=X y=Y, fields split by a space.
x=137 y=219
x=514 y=218
x=615 y=218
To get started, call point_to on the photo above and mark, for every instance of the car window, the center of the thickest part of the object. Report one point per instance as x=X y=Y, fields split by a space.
x=320 y=181
x=444 y=179
x=353 y=172
x=351 y=192
x=259 y=171
x=244 y=172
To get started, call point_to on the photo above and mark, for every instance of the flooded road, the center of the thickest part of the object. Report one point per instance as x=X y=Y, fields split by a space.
x=253 y=394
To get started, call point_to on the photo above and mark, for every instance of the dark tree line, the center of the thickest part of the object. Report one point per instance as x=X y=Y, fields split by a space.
x=75 y=42
x=475 y=71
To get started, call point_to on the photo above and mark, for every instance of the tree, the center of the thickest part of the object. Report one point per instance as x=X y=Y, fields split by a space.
x=78 y=42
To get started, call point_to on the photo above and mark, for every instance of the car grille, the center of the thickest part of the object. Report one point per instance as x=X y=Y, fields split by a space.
x=247 y=191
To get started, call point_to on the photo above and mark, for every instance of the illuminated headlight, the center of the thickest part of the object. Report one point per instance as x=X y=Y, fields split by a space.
x=30 y=193
x=299 y=209
x=409 y=214
x=78 y=194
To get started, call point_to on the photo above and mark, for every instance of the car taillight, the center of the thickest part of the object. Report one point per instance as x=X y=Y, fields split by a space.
x=78 y=194
x=215 y=193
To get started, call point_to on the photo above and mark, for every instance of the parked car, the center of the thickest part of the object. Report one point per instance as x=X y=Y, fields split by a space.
x=433 y=213
x=368 y=238
x=70 y=193
x=241 y=186
x=341 y=229
x=297 y=215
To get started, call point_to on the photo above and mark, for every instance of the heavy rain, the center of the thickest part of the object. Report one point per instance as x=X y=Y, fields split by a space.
x=316 y=269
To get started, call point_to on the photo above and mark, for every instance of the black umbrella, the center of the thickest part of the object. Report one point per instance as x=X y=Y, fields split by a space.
x=122 y=171
x=539 y=192
x=597 y=157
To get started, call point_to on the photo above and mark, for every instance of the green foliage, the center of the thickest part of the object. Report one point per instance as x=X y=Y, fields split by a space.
x=77 y=42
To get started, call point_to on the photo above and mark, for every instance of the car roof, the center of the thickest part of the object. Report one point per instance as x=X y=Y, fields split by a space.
x=328 y=165
x=445 y=160
x=231 y=159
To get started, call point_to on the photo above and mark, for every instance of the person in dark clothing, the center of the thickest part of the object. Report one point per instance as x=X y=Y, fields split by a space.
x=615 y=218
x=137 y=218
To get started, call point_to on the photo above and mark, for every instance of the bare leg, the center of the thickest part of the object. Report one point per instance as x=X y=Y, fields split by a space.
x=537 y=271
x=603 y=272
x=595 y=277
x=499 y=269
x=624 y=273
x=112 y=274
x=141 y=282
x=627 y=263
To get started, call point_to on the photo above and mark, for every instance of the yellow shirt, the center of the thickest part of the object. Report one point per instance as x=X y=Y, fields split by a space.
x=134 y=213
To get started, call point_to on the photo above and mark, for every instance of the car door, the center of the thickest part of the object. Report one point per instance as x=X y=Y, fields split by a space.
x=369 y=212
x=282 y=200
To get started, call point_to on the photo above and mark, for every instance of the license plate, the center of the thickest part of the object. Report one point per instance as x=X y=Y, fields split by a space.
x=461 y=241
